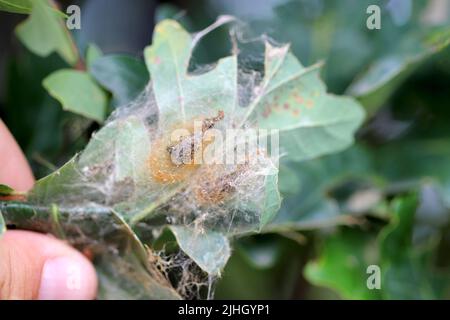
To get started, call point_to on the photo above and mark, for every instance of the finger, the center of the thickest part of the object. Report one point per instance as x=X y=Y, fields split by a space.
x=36 y=266
x=14 y=169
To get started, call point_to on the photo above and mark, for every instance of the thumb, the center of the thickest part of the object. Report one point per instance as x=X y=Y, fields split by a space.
x=35 y=266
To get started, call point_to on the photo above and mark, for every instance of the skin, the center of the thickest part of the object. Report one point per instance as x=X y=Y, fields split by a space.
x=32 y=265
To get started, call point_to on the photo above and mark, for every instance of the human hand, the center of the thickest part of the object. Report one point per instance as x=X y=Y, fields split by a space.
x=32 y=265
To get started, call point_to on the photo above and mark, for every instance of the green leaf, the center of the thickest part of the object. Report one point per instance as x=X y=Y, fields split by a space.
x=262 y=251
x=393 y=162
x=272 y=201
x=119 y=257
x=110 y=181
x=305 y=187
x=375 y=86
x=45 y=32
x=125 y=76
x=5 y=190
x=180 y=95
x=396 y=238
x=166 y=11
x=210 y=250
x=78 y=93
x=408 y=269
x=124 y=278
x=24 y=7
x=293 y=99
x=123 y=146
x=343 y=262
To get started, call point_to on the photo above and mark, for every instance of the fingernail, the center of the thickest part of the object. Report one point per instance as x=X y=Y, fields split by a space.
x=66 y=278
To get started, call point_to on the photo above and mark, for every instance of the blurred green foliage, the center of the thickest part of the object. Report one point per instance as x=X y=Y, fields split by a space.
x=385 y=201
